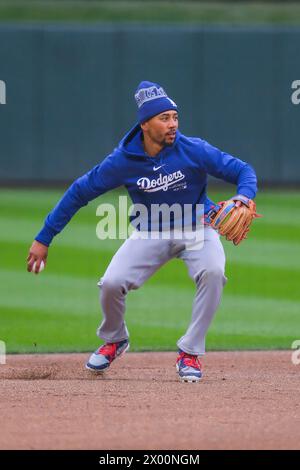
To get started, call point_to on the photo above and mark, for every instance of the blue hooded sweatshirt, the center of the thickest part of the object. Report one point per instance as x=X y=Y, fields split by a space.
x=178 y=174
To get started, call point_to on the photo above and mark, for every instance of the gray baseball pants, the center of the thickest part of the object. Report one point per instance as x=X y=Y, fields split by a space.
x=136 y=261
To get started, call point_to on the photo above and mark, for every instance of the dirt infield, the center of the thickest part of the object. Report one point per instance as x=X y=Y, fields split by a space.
x=247 y=400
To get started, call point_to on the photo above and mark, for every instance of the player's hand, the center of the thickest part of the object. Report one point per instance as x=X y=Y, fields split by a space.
x=239 y=200
x=37 y=253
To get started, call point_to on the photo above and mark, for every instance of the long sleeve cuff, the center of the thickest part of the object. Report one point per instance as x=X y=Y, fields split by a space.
x=246 y=191
x=247 y=185
x=46 y=235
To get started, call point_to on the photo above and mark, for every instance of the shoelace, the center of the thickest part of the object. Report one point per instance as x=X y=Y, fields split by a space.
x=108 y=349
x=190 y=360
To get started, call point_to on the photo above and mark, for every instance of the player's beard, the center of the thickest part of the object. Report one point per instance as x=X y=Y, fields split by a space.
x=170 y=141
x=162 y=139
x=167 y=141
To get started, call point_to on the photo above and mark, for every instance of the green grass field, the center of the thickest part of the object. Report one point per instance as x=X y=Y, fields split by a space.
x=58 y=310
x=149 y=11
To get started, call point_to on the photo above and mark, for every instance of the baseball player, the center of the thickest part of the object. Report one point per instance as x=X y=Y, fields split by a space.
x=157 y=165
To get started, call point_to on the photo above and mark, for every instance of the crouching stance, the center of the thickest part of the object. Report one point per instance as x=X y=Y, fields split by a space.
x=157 y=165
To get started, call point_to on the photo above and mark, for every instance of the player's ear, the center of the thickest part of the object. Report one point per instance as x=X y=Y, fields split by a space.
x=144 y=126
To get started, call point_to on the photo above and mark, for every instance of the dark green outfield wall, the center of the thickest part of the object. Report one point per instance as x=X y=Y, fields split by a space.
x=69 y=93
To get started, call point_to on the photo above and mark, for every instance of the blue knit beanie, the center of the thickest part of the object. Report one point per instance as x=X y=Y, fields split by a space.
x=152 y=99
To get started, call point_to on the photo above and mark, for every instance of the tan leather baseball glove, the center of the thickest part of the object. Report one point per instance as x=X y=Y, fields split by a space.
x=232 y=219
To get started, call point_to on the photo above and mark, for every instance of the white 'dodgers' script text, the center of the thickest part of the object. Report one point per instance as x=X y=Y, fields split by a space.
x=161 y=183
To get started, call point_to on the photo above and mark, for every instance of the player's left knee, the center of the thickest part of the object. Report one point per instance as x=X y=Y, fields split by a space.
x=212 y=274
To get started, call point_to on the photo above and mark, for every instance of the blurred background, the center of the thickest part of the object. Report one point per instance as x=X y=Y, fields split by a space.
x=70 y=69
